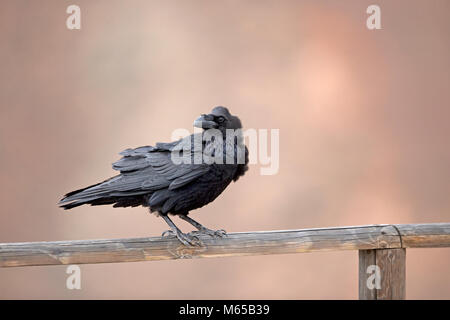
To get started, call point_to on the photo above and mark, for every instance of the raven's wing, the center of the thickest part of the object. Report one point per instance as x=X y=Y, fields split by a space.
x=142 y=170
x=156 y=167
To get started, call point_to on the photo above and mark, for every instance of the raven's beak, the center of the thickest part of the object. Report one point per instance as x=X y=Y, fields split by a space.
x=205 y=121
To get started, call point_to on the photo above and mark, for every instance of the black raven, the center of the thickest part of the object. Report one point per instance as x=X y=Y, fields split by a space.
x=176 y=177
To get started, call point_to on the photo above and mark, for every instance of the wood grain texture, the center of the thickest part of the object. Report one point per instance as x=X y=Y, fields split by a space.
x=391 y=265
x=234 y=244
x=366 y=259
x=429 y=235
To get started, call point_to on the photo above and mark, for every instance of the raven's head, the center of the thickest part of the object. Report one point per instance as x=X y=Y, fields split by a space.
x=219 y=118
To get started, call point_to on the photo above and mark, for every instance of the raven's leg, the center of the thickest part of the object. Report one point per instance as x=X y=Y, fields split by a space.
x=186 y=239
x=202 y=229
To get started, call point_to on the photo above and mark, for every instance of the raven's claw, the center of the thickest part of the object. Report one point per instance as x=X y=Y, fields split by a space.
x=186 y=239
x=168 y=233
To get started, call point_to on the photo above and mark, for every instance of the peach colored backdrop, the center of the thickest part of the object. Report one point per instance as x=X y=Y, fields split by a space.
x=363 y=118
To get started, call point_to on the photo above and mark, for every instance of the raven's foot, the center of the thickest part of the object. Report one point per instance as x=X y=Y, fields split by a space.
x=212 y=233
x=168 y=233
x=203 y=230
x=185 y=238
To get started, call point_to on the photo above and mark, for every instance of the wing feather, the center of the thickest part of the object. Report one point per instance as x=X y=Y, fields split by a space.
x=151 y=168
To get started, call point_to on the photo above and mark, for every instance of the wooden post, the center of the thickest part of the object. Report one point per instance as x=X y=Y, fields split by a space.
x=382 y=274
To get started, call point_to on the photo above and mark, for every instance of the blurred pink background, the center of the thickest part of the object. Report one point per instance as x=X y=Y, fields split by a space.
x=363 y=118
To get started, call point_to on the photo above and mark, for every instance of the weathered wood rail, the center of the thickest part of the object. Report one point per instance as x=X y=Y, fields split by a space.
x=382 y=254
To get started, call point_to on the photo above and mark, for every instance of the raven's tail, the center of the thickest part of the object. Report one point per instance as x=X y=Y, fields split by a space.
x=100 y=194
x=81 y=196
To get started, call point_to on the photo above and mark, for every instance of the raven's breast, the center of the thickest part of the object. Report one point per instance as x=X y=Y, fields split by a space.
x=196 y=194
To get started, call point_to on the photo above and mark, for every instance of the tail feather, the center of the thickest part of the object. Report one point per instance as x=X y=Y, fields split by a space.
x=79 y=197
x=117 y=201
x=102 y=193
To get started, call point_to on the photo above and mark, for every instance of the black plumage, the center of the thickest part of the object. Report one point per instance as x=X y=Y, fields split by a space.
x=150 y=177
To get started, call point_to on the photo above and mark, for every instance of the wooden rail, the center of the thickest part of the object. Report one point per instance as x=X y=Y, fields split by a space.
x=381 y=248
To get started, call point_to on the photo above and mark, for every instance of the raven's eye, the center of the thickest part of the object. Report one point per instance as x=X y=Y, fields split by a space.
x=220 y=119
